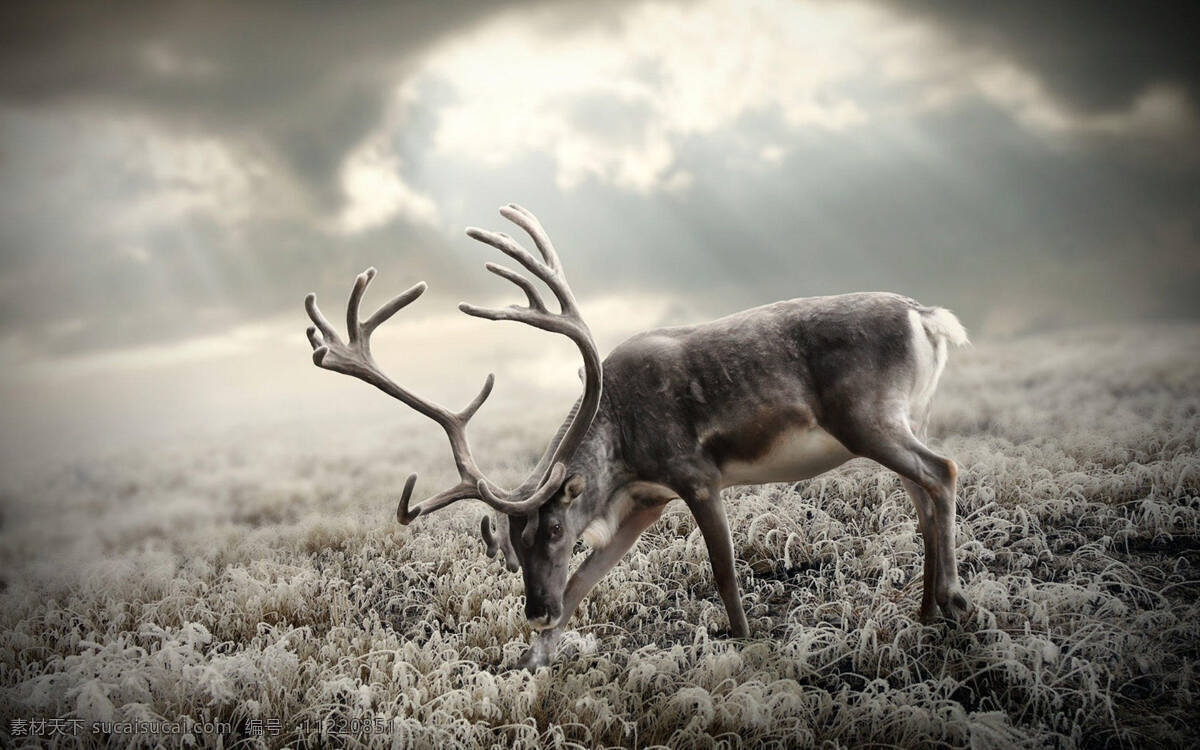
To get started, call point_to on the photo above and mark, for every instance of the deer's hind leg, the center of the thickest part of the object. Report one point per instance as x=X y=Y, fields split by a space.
x=931 y=481
x=927 y=523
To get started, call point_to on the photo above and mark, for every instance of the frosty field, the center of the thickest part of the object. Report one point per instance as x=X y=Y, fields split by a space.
x=250 y=579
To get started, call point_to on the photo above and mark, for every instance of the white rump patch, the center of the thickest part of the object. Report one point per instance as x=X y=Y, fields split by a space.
x=929 y=355
x=934 y=330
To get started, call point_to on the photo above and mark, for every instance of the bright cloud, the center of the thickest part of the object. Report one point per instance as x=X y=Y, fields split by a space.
x=375 y=192
x=667 y=71
x=613 y=103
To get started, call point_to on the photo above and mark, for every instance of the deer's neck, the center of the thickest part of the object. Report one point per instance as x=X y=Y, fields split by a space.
x=600 y=509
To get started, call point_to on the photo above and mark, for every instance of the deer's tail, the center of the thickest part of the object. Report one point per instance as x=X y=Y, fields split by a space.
x=942 y=324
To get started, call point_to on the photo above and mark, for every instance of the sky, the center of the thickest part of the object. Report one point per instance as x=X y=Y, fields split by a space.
x=174 y=177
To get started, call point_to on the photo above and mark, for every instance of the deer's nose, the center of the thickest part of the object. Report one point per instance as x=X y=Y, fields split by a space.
x=543 y=622
x=542 y=615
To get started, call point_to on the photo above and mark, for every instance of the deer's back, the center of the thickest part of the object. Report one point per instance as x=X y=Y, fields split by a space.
x=752 y=392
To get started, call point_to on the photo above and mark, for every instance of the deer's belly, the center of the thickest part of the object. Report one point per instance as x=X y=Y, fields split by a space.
x=795 y=454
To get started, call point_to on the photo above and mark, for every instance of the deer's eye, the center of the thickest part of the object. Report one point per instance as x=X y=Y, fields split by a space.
x=555 y=531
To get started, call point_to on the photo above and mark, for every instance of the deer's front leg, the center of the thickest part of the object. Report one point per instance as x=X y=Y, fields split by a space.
x=709 y=512
x=598 y=563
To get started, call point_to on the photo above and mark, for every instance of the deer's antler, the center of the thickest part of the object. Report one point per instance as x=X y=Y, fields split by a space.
x=568 y=322
x=354 y=358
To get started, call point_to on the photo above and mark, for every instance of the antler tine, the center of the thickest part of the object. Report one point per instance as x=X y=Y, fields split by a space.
x=482 y=490
x=523 y=218
x=328 y=335
x=477 y=402
x=353 y=329
x=315 y=340
x=393 y=306
x=514 y=250
x=406 y=515
x=403 y=514
x=531 y=292
x=545 y=320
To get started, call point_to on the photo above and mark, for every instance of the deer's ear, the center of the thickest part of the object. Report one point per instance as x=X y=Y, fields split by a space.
x=529 y=533
x=485 y=528
x=573 y=488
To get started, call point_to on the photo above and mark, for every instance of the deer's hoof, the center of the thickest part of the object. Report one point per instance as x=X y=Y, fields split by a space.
x=927 y=614
x=534 y=658
x=957 y=606
x=531 y=662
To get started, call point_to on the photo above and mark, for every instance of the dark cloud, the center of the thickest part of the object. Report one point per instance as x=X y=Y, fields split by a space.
x=305 y=80
x=297 y=84
x=1096 y=55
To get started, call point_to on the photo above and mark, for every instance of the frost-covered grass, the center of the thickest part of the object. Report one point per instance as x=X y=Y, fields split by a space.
x=256 y=577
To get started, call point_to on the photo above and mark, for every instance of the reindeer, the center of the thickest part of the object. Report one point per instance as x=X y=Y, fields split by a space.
x=777 y=393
